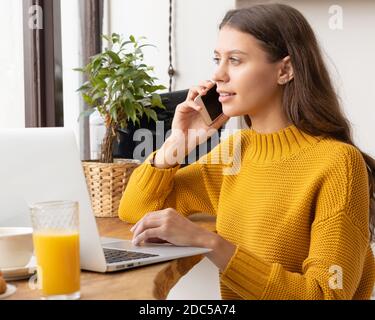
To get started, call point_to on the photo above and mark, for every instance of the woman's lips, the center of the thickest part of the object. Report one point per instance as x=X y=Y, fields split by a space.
x=224 y=97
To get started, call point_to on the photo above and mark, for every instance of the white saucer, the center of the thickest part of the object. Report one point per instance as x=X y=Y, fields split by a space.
x=13 y=274
x=10 y=290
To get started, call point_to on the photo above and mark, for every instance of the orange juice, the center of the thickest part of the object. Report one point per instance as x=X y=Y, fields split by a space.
x=57 y=255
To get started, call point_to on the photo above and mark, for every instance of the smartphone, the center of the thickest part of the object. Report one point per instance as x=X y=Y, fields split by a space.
x=211 y=106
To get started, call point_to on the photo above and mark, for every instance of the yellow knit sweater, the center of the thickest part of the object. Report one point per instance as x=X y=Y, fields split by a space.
x=295 y=206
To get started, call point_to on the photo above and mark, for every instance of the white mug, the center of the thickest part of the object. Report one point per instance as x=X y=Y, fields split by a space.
x=16 y=247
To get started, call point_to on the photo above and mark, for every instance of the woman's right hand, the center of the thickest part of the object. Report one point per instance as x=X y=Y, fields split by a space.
x=188 y=129
x=187 y=114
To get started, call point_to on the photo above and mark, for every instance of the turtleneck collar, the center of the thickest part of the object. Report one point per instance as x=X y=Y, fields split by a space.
x=268 y=147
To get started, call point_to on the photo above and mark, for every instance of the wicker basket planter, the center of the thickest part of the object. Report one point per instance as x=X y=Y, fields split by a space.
x=106 y=183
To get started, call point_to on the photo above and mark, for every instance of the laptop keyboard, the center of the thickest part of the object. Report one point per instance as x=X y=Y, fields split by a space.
x=113 y=255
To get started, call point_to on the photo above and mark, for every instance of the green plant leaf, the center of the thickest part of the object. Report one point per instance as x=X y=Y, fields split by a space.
x=146 y=45
x=133 y=115
x=115 y=38
x=103 y=72
x=138 y=83
x=114 y=56
x=84 y=87
x=140 y=92
x=138 y=106
x=96 y=65
x=123 y=124
x=87 y=99
x=119 y=84
x=125 y=72
x=98 y=95
x=156 y=100
x=129 y=96
x=127 y=106
x=151 y=114
x=113 y=113
x=125 y=43
x=99 y=84
x=152 y=89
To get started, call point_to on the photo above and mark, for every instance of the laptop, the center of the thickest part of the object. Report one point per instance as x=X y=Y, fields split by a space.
x=43 y=164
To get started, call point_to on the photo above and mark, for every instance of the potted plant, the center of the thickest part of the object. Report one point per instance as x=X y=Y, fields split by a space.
x=121 y=89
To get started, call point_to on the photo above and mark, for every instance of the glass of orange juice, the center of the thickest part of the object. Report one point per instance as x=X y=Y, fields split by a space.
x=56 y=243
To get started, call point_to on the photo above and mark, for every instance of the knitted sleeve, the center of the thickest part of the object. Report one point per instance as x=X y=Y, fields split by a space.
x=338 y=248
x=194 y=188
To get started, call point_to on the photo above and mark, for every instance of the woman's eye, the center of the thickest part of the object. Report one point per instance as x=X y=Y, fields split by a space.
x=234 y=60
x=216 y=60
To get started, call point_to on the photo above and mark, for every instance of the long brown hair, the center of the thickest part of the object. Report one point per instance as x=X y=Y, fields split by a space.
x=309 y=100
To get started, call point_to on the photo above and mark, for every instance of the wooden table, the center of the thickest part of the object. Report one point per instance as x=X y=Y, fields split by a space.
x=149 y=282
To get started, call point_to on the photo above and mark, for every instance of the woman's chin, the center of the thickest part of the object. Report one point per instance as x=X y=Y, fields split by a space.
x=230 y=112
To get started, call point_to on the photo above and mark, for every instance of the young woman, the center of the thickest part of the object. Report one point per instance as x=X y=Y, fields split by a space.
x=294 y=222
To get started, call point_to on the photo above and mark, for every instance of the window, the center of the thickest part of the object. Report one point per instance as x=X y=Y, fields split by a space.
x=42 y=63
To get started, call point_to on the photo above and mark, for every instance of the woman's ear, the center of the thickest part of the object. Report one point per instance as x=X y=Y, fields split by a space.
x=286 y=72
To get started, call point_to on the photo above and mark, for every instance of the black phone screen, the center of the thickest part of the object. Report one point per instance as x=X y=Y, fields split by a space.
x=212 y=103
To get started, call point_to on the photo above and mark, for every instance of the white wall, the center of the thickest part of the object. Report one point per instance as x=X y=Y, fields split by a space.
x=196 y=23
x=12 y=106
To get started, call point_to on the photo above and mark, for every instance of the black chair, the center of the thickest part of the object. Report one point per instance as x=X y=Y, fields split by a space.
x=124 y=148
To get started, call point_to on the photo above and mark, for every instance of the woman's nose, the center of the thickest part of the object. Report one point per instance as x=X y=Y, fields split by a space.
x=220 y=75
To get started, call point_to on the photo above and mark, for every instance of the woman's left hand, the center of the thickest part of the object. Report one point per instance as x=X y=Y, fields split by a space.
x=169 y=226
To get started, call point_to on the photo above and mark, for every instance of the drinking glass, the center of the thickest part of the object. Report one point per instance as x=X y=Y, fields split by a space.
x=56 y=243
